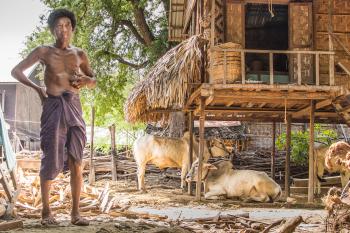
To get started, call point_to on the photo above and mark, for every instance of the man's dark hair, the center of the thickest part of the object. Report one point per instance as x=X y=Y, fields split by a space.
x=59 y=13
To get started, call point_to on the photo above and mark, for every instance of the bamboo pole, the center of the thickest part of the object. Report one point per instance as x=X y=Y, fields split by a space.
x=287 y=168
x=273 y=154
x=114 y=153
x=310 y=195
x=92 y=163
x=190 y=127
x=201 y=148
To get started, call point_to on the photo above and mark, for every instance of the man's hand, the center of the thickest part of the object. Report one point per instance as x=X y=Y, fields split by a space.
x=81 y=80
x=42 y=94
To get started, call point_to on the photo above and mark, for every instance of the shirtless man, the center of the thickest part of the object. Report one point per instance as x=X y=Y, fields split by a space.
x=62 y=133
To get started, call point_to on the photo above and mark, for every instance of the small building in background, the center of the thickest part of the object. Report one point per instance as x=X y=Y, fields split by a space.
x=22 y=111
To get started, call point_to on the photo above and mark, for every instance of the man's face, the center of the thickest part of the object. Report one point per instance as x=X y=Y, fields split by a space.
x=63 y=30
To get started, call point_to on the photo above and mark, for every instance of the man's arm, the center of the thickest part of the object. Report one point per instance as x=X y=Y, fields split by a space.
x=87 y=77
x=31 y=59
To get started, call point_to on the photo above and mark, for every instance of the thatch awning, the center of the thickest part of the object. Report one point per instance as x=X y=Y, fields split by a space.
x=165 y=87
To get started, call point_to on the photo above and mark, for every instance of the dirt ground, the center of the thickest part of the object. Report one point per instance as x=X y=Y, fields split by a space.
x=164 y=198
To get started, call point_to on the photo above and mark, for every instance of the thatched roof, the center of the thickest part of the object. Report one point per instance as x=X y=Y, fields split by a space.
x=235 y=132
x=166 y=87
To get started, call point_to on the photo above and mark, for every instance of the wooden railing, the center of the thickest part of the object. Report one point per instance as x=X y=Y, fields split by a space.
x=298 y=53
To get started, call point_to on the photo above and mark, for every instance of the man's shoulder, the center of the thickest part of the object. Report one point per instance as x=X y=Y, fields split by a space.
x=42 y=49
x=78 y=50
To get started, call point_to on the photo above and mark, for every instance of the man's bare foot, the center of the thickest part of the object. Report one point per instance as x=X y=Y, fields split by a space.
x=48 y=219
x=79 y=221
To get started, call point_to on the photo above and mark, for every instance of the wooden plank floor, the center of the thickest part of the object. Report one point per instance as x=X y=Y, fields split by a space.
x=266 y=103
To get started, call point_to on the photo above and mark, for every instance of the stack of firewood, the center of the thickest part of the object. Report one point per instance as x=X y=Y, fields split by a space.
x=242 y=223
x=93 y=201
x=261 y=161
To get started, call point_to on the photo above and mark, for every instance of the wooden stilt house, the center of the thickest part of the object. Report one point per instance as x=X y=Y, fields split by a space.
x=262 y=60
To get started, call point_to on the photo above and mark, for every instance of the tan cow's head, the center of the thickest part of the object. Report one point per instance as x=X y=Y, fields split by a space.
x=192 y=175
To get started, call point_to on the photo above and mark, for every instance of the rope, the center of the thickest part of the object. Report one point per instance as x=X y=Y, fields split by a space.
x=271 y=9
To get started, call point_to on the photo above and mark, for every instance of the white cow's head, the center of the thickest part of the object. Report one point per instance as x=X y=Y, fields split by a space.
x=192 y=175
x=218 y=148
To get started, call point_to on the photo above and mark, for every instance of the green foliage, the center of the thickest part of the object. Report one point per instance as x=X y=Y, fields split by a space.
x=102 y=144
x=99 y=32
x=300 y=142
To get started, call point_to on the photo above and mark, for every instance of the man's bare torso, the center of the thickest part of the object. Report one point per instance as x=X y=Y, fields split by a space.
x=61 y=68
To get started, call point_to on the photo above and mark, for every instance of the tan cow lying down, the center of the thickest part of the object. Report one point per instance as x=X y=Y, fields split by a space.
x=221 y=179
x=164 y=152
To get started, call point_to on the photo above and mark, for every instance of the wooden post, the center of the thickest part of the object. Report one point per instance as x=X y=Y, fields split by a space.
x=287 y=169
x=317 y=69
x=310 y=194
x=299 y=68
x=201 y=148
x=114 y=153
x=330 y=41
x=243 y=66
x=273 y=154
x=92 y=163
x=190 y=127
x=271 y=67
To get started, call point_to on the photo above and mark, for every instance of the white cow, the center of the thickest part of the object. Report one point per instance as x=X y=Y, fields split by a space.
x=164 y=152
x=221 y=179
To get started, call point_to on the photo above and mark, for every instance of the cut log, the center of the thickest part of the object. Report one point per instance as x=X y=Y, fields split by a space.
x=10 y=225
x=290 y=225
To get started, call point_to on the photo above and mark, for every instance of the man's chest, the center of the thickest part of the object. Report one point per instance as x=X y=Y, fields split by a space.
x=67 y=61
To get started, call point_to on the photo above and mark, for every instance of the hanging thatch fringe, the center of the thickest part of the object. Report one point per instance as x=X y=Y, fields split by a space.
x=166 y=85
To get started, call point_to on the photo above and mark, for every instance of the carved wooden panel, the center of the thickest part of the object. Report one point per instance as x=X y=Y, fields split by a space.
x=300 y=29
x=235 y=22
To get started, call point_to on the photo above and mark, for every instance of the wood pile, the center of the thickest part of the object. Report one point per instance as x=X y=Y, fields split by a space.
x=242 y=223
x=261 y=161
x=93 y=200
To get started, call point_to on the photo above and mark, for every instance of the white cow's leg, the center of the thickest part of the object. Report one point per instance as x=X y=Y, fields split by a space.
x=141 y=169
x=256 y=196
x=344 y=176
x=183 y=175
x=318 y=186
x=213 y=194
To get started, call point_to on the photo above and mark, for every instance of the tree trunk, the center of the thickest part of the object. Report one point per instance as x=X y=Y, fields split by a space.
x=141 y=22
x=176 y=124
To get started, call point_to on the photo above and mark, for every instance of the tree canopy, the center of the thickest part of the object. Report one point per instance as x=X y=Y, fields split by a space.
x=122 y=38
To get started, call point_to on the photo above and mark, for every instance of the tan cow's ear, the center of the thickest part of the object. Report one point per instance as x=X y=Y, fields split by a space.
x=210 y=166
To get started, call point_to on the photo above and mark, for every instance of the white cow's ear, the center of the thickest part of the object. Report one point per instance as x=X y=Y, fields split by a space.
x=210 y=166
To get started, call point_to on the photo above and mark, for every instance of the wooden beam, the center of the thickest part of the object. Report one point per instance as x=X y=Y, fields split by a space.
x=188 y=14
x=243 y=67
x=287 y=164
x=252 y=96
x=230 y=103
x=330 y=41
x=306 y=110
x=317 y=69
x=271 y=67
x=273 y=154
x=92 y=163
x=207 y=88
x=114 y=153
x=310 y=196
x=190 y=127
x=201 y=149
x=209 y=100
x=299 y=68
